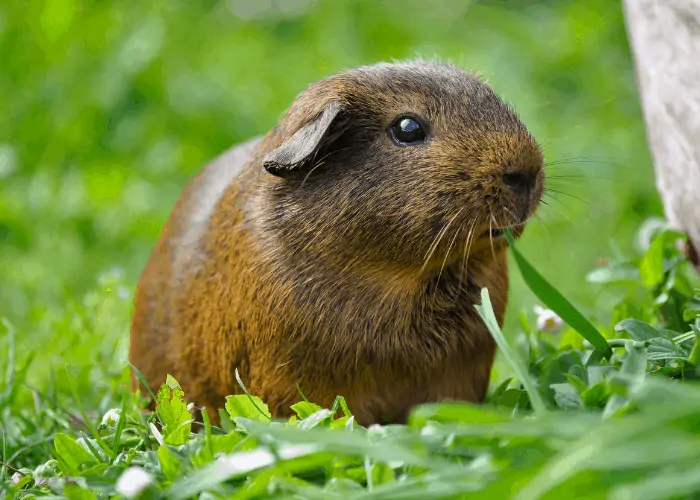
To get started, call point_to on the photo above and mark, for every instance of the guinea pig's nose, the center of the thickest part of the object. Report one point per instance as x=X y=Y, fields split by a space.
x=519 y=182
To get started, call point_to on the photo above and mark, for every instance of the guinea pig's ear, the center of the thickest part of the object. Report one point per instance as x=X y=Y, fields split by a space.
x=294 y=153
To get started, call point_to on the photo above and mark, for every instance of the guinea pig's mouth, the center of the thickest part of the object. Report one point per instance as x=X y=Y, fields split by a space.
x=494 y=233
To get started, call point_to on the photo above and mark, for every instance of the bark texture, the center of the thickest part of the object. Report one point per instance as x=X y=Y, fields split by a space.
x=664 y=37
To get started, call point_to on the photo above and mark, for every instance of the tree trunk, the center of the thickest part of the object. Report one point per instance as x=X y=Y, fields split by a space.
x=664 y=37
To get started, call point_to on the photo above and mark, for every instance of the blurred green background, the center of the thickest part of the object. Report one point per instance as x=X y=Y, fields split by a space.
x=108 y=108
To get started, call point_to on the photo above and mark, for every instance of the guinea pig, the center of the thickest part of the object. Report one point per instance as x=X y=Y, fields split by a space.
x=343 y=252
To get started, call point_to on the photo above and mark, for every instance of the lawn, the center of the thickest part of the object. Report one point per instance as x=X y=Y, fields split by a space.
x=108 y=110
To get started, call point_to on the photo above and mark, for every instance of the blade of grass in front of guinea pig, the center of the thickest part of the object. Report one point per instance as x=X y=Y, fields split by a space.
x=485 y=310
x=551 y=297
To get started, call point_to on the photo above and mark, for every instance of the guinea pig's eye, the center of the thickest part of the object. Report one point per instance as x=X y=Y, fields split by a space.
x=407 y=130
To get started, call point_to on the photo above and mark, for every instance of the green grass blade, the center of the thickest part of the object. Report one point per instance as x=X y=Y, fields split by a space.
x=3 y=467
x=120 y=427
x=7 y=382
x=89 y=445
x=86 y=420
x=551 y=297
x=485 y=310
x=207 y=431
x=142 y=379
x=250 y=398
x=681 y=484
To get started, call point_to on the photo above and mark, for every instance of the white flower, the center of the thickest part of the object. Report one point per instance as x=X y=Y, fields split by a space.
x=133 y=481
x=41 y=481
x=547 y=320
x=190 y=407
x=15 y=478
x=111 y=418
x=43 y=472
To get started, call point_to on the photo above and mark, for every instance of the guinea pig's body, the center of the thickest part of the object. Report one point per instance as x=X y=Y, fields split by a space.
x=343 y=253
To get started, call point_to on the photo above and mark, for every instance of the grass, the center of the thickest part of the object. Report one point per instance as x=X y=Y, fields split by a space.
x=111 y=108
x=572 y=423
x=108 y=109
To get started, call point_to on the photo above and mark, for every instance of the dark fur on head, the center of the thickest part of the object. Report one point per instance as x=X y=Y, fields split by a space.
x=368 y=198
x=344 y=262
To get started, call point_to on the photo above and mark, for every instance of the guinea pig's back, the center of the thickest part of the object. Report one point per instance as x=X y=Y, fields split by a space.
x=176 y=257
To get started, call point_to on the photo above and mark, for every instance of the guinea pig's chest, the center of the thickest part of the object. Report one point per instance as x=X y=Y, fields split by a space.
x=403 y=329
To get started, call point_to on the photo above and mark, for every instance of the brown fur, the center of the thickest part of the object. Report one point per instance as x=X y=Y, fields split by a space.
x=322 y=272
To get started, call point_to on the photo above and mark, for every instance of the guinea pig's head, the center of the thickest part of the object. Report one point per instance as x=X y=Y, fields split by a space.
x=409 y=165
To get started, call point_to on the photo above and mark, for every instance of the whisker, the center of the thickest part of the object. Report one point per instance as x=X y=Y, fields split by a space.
x=546 y=230
x=587 y=107
x=571 y=183
x=447 y=254
x=468 y=247
x=515 y=222
x=560 y=212
x=461 y=262
x=493 y=250
x=550 y=190
x=560 y=163
x=586 y=177
x=430 y=251
x=555 y=198
x=601 y=159
x=552 y=194
x=442 y=232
